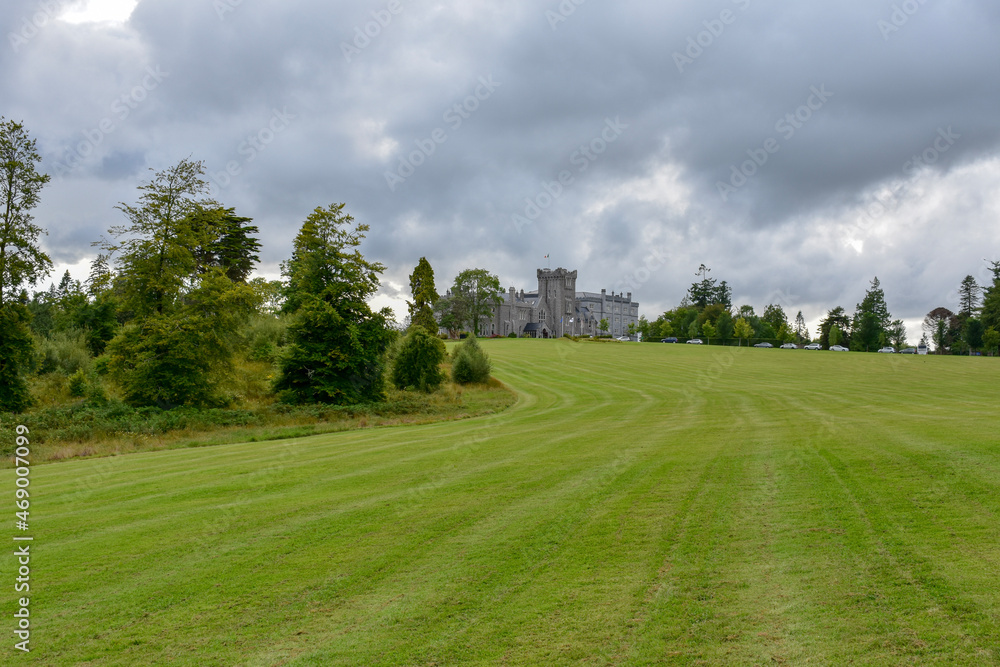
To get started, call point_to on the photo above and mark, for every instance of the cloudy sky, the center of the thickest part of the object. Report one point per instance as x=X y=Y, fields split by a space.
x=798 y=149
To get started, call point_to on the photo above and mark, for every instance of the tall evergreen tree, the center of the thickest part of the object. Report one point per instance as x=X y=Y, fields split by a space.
x=871 y=319
x=968 y=298
x=424 y=297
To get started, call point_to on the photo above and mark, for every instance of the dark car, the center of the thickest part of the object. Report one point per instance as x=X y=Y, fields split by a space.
x=668 y=340
x=763 y=345
x=908 y=350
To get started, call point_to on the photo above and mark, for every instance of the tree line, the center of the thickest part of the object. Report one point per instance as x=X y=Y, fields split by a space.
x=170 y=305
x=707 y=311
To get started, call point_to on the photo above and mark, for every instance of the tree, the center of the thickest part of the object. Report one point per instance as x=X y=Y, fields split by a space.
x=968 y=298
x=742 y=330
x=706 y=292
x=226 y=244
x=424 y=297
x=724 y=326
x=941 y=326
x=871 y=319
x=991 y=340
x=336 y=342
x=834 y=335
x=21 y=258
x=157 y=248
x=775 y=316
x=973 y=334
x=785 y=333
x=801 y=332
x=837 y=317
x=746 y=312
x=603 y=324
x=418 y=362
x=693 y=329
x=709 y=331
x=16 y=350
x=989 y=313
x=182 y=356
x=478 y=293
x=897 y=334
x=175 y=285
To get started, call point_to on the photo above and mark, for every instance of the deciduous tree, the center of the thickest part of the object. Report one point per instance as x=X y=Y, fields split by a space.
x=21 y=258
x=336 y=342
x=476 y=293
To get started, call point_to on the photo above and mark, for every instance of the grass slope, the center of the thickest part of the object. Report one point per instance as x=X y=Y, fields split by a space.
x=641 y=504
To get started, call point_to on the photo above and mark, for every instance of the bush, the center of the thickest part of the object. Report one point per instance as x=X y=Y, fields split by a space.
x=417 y=361
x=470 y=364
x=512 y=335
x=65 y=352
x=78 y=384
x=263 y=335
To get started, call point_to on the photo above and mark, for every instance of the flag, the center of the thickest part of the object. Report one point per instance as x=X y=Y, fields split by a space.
x=546 y=257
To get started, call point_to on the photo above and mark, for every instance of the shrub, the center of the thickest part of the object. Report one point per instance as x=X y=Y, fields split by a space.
x=263 y=335
x=512 y=335
x=470 y=364
x=417 y=361
x=65 y=352
x=78 y=383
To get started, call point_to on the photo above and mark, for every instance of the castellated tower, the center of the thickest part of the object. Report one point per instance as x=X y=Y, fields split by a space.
x=556 y=300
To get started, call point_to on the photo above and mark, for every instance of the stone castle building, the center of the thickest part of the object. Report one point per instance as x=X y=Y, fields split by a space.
x=556 y=308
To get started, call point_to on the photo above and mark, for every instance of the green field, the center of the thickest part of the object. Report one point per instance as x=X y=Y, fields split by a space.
x=641 y=504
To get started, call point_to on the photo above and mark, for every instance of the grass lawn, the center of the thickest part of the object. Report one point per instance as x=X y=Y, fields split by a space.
x=640 y=504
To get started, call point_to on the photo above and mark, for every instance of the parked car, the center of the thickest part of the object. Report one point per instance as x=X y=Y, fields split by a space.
x=813 y=346
x=695 y=341
x=624 y=338
x=888 y=349
x=838 y=348
x=789 y=346
x=764 y=344
x=908 y=350
x=671 y=339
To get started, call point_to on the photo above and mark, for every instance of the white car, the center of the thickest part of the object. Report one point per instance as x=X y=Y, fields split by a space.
x=888 y=350
x=695 y=341
x=838 y=348
x=624 y=338
x=789 y=346
x=813 y=346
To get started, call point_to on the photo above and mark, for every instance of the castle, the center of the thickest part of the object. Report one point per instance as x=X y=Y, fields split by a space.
x=556 y=308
